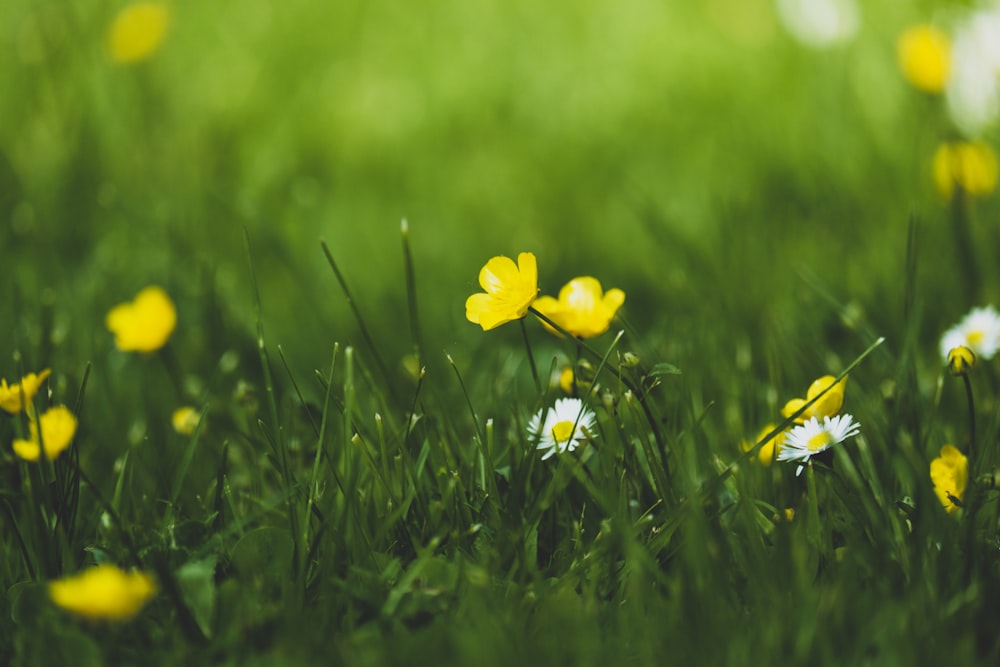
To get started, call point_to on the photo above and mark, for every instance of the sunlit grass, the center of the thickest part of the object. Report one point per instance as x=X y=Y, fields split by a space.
x=297 y=445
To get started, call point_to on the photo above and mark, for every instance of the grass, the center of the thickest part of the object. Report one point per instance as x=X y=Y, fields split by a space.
x=361 y=487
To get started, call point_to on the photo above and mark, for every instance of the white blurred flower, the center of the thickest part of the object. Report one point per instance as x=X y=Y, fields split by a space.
x=973 y=92
x=979 y=331
x=819 y=23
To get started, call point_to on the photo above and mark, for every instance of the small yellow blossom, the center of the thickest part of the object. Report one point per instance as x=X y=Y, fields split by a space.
x=11 y=396
x=57 y=431
x=924 y=54
x=969 y=166
x=769 y=449
x=583 y=308
x=104 y=592
x=567 y=380
x=145 y=324
x=185 y=420
x=961 y=360
x=949 y=473
x=137 y=31
x=827 y=406
x=510 y=290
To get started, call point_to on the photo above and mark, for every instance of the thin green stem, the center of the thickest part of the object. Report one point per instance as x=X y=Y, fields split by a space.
x=972 y=425
x=531 y=357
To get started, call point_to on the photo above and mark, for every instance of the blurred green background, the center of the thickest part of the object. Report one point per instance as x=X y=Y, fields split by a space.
x=692 y=153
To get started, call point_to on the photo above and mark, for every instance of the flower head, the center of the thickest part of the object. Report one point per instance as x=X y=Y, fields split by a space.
x=185 y=420
x=827 y=406
x=103 y=592
x=812 y=437
x=583 y=308
x=924 y=54
x=13 y=398
x=979 y=331
x=58 y=426
x=562 y=427
x=137 y=31
x=769 y=449
x=145 y=324
x=949 y=473
x=961 y=360
x=969 y=166
x=510 y=290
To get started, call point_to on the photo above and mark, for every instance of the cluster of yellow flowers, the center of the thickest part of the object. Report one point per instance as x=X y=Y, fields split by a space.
x=582 y=309
x=49 y=434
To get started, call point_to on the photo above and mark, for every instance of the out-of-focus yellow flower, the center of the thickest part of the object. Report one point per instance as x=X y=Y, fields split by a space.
x=58 y=426
x=583 y=308
x=949 y=473
x=566 y=380
x=970 y=166
x=185 y=420
x=510 y=290
x=11 y=396
x=924 y=54
x=827 y=406
x=137 y=31
x=145 y=324
x=104 y=592
x=769 y=449
x=961 y=360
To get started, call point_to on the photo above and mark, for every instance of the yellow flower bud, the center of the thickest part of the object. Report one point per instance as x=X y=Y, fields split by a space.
x=961 y=360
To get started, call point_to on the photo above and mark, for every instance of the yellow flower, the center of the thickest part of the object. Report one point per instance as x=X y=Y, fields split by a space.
x=137 y=31
x=567 y=380
x=770 y=449
x=827 y=406
x=968 y=166
x=145 y=324
x=58 y=429
x=583 y=309
x=949 y=473
x=185 y=420
x=510 y=290
x=103 y=592
x=961 y=360
x=11 y=396
x=924 y=54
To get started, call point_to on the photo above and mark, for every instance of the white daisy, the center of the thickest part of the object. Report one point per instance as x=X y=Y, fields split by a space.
x=562 y=427
x=979 y=331
x=811 y=438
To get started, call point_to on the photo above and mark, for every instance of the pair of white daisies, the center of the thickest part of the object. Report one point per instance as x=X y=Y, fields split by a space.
x=563 y=427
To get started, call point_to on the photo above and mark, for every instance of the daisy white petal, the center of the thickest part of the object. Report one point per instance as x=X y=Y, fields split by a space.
x=979 y=331
x=562 y=427
x=813 y=437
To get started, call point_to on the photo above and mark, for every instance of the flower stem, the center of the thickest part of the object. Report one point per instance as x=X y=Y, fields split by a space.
x=972 y=425
x=531 y=357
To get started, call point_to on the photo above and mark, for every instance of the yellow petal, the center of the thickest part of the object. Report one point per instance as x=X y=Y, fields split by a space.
x=103 y=592
x=145 y=324
x=137 y=31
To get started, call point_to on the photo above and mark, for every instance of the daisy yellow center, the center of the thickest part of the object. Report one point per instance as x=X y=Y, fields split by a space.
x=819 y=441
x=975 y=337
x=562 y=431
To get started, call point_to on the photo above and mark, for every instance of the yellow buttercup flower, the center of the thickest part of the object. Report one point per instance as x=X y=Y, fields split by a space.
x=827 y=406
x=58 y=426
x=145 y=324
x=510 y=290
x=949 y=473
x=104 y=592
x=769 y=449
x=961 y=360
x=583 y=308
x=137 y=31
x=924 y=54
x=14 y=397
x=185 y=420
x=965 y=165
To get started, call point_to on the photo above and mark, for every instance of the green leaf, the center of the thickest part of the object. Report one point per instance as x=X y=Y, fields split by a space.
x=663 y=369
x=197 y=583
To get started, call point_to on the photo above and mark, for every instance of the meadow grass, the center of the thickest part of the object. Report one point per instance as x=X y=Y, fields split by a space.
x=357 y=480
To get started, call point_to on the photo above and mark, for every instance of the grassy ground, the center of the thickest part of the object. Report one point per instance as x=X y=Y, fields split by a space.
x=767 y=208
